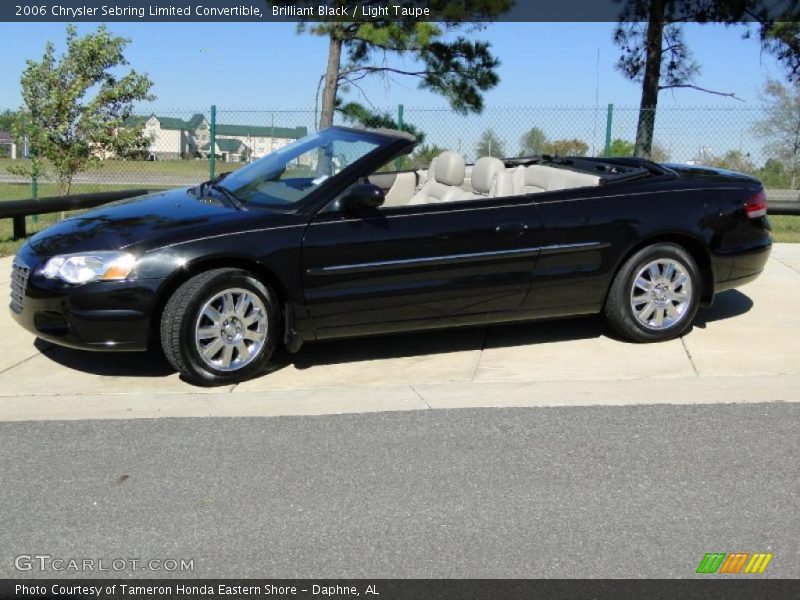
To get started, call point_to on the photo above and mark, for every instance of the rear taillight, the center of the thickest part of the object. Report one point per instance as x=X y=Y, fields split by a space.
x=756 y=206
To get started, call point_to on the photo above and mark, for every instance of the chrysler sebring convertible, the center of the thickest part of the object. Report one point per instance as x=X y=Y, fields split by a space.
x=319 y=240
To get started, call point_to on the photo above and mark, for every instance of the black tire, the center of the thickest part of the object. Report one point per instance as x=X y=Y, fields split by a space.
x=181 y=317
x=619 y=312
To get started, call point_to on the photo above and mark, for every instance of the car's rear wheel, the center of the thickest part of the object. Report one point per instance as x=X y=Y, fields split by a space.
x=655 y=294
x=220 y=327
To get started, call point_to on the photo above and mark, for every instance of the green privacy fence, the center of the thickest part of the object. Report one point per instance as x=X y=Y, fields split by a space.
x=191 y=145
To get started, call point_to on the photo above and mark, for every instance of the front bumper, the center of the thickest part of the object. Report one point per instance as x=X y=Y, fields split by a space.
x=108 y=315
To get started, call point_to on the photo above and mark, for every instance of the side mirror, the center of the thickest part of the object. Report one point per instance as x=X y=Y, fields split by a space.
x=362 y=196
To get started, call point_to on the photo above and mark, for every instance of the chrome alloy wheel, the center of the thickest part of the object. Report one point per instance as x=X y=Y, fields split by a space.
x=661 y=294
x=231 y=329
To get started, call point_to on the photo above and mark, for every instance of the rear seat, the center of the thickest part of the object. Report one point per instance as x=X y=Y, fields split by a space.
x=489 y=178
x=540 y=178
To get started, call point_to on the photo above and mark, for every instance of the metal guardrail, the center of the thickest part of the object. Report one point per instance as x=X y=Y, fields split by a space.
x=19 y=209
x=783 y=208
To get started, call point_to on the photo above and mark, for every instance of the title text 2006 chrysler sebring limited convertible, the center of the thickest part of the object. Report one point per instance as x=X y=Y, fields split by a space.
x=317 y=241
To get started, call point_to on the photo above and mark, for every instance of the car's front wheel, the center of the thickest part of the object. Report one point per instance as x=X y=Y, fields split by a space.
x=655 y=294
x=220 y=327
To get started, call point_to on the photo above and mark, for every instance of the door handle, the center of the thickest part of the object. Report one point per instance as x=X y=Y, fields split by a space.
x=511 y=229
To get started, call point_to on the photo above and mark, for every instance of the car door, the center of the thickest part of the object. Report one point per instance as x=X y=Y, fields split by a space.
x=419 y=266
x=585 y=231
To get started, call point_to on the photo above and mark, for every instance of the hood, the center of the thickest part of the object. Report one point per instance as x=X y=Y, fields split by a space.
x=128 y=222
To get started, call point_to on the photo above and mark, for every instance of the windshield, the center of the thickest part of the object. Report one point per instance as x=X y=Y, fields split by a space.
x=287 y=176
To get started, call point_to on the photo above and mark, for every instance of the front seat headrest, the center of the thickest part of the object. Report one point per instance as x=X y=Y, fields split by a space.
x=449 y=168
x=485 y=175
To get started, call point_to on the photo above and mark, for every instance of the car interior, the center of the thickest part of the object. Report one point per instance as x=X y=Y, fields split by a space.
x=450 y=179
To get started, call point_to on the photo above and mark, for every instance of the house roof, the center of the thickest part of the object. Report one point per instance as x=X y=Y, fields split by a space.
x=224 y=145
x=5 y=136
x=230 y=145
x=257 y=131
x=292 y=133
x=172 y=123
x=135 y=120
x=166 y=122
x=196 y=119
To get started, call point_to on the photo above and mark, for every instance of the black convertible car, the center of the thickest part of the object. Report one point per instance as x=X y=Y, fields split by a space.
x=318 y=240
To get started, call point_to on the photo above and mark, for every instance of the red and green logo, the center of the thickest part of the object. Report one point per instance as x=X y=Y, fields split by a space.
x=734 y=562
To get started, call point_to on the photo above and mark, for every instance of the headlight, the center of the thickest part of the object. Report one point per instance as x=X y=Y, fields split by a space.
x=89 y=266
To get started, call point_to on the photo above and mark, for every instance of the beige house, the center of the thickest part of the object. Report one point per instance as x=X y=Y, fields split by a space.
x=256 y=141
x=7 y=145
x=172 y=138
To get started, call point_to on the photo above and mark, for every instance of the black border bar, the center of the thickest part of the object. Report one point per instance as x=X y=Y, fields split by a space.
x=406 y=589
x=363 y=10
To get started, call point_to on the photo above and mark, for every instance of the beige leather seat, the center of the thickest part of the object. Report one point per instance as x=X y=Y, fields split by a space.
x=573 y=180
x=445 y=177
x=540 y=178
x=489 y=179
x=535 y=179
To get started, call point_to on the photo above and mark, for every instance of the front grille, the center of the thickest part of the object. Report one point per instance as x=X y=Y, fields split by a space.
x=19 y=283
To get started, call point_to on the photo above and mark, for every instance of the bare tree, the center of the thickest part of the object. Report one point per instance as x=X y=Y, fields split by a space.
x=490 y=145
x=780 y=128
x=533 y=142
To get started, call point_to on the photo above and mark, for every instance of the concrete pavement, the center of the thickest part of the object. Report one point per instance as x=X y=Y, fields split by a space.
x=598 y=458
x=745 y=348
x=600 y=491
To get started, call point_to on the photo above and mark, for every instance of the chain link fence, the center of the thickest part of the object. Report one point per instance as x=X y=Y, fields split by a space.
x=703 y=135
x=187 y=146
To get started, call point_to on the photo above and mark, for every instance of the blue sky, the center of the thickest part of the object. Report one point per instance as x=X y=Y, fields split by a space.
x=269 y=65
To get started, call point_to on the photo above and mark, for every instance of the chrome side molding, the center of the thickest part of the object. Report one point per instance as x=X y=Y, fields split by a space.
x=531 y=251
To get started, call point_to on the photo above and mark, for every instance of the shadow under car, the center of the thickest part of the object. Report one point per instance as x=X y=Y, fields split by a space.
x=727 y=305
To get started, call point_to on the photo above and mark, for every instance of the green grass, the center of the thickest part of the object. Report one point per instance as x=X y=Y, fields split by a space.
x=8 y=245
x=194 y=169
x=22 y=191
x=10 y=191
x=191 y=170
x=785 y=228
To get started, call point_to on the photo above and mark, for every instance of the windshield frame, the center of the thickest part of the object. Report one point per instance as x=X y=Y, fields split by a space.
x=387 y=145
